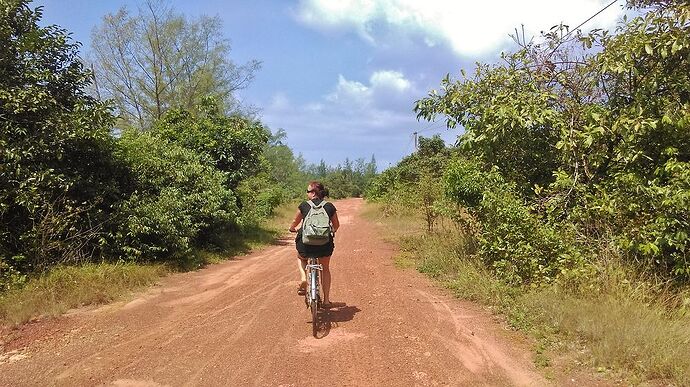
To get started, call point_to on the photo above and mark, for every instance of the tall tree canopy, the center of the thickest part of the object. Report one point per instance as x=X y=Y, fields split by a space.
x=54 y=144
x=157 y=59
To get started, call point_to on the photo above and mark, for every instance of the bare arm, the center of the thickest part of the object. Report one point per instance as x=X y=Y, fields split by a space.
x=335 y=222
x=296 y=221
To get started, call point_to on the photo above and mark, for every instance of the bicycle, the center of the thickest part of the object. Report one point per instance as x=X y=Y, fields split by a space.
x=312 y=296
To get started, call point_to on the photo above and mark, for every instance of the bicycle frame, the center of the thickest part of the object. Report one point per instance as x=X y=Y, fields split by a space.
x=313 y=268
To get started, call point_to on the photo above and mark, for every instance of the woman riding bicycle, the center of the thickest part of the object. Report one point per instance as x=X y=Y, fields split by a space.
x=316 y=194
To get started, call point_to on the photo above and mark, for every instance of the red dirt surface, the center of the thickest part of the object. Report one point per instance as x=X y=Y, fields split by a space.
x=242 y=323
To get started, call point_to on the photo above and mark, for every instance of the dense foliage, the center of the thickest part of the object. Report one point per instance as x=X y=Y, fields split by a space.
x=176 y=197
x=575 y=149
x=54 y=146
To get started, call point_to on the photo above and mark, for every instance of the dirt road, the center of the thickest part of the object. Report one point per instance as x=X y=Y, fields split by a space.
x=241 y=323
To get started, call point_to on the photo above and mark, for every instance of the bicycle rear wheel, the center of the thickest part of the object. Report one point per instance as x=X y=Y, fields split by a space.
x=314 y=317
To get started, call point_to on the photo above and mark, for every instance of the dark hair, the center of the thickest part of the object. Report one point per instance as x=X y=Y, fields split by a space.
x=320 y=191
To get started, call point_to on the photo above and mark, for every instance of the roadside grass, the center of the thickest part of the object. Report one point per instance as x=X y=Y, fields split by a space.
x=620 y=323
x=65 y=287
x=643 y=340
x=400 y=225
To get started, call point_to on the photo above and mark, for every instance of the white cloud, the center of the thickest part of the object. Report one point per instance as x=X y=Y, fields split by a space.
x=355 y=119
x=338 y=14
x=470 y=27
x=386 y=90
x=390 y=80
x=280 y=101
x=349 y=91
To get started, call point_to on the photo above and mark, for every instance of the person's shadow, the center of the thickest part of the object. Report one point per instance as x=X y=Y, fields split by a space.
x=338 y=312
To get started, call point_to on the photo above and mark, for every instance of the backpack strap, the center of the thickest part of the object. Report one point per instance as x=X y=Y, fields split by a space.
x=312 y=205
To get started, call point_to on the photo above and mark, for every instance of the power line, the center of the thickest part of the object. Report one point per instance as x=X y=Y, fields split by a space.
x=562 y=39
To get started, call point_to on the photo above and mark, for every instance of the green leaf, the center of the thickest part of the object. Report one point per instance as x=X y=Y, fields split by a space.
x=676 y=46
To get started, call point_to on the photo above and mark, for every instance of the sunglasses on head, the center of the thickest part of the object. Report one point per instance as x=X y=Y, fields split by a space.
x=310 y=191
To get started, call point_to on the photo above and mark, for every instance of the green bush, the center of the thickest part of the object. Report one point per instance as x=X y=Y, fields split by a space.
x=258 y=197
x=414 y=185
x=652 y=216
x=234 y=144
x=513 y=240
x=178 y=194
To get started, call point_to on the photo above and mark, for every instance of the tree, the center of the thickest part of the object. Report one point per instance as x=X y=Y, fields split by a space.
x=370 y=169
x=57 y=173
x=233 y=143
x=283 y=168
x=157 y=59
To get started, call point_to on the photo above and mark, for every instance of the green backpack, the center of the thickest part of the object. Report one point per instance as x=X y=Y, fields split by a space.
x=316 y=230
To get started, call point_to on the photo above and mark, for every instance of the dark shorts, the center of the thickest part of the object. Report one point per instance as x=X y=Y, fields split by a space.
x=313 y=251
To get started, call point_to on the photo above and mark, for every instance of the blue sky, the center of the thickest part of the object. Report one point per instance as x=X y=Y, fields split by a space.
x=341 y=76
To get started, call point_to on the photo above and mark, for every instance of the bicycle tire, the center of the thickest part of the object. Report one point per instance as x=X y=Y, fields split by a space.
x=314 y=317
x=314 y=284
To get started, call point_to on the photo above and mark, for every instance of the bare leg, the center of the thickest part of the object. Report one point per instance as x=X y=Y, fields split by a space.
x=326 y=278
x=302 y=263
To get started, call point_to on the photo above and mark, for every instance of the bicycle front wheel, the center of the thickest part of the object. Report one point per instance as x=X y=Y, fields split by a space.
x=314 y=317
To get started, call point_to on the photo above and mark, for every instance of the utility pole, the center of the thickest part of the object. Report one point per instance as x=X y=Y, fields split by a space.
x=415 y=141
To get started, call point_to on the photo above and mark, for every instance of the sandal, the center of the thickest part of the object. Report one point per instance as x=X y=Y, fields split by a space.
x=302 y=289
x=327 y=305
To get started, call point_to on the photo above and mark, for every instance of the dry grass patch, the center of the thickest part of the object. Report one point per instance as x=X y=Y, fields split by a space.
x=66 y=287
x=282 y=216
x=397 y=226
x=644 y=340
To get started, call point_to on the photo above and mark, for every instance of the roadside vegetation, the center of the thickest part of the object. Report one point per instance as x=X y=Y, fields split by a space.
x=63 y=287
x=565 y=203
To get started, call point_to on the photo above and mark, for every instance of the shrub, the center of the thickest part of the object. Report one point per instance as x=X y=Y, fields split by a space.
x=259 y=197
x=177 y=195
x=513 y=239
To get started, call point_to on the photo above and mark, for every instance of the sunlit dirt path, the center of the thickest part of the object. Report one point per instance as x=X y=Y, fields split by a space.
x=241 y=323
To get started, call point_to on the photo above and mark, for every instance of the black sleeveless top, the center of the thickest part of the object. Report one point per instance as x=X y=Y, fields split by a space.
x=304 y=208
